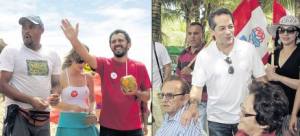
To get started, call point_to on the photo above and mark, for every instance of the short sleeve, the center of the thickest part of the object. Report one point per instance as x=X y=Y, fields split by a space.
x=7 y=59
x=56 y=64
x=258 y=69
x=199 y=75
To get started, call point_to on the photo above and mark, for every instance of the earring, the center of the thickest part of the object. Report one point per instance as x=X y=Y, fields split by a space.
x=298 y=41
x=279 y=42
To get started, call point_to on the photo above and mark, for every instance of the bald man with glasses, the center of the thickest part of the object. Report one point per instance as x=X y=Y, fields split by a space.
x=174 y=98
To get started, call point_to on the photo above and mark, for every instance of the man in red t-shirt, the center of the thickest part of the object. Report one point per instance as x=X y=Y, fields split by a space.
x=121 y=114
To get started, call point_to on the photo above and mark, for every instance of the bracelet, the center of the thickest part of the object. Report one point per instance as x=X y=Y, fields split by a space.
x=193 y=101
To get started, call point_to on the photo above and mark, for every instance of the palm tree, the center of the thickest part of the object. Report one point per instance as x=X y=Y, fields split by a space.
x=297 y=9
x=156 y=21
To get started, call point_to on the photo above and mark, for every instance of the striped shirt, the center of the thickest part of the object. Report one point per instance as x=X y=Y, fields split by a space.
x=171 y=126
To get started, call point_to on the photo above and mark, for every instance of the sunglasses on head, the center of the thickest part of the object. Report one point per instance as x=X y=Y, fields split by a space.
x=80 y=61
x=289 y=30
x=229 y=62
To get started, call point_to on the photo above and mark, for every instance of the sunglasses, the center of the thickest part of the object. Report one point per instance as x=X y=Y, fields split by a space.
x=229 y=62
x=168 y=96
x=81 y=61
x=289 y=30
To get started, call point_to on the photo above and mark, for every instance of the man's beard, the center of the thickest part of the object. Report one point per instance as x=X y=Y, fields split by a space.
x=28 y=41
x=120 y=53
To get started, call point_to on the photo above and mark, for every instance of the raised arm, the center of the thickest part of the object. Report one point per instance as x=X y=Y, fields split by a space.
x=71 y=34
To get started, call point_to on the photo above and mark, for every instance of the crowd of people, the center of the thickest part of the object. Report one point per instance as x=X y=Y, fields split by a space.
x=218 y=89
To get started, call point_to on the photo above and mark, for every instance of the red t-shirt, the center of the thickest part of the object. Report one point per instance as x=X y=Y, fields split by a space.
x=119 y=111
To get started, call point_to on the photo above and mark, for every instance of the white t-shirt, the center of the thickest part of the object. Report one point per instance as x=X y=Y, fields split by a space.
x=163 y=59
x=226 y=91
x=32 y=71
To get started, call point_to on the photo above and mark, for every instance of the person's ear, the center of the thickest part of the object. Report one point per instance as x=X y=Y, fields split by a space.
x=129 y=45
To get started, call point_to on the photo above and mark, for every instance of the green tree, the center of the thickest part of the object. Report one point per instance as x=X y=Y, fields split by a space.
x=156 y=21
x=186 y=11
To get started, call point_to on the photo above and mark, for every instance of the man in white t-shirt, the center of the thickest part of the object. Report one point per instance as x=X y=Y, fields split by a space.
x=30 y=81
x=226 y=67
x=158 y=76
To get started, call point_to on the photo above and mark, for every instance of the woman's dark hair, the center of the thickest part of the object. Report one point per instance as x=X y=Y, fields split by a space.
x=270 y=104
x=279 y=45
x=71 y=57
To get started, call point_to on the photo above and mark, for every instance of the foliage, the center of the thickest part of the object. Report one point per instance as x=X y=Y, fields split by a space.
x=174 y=16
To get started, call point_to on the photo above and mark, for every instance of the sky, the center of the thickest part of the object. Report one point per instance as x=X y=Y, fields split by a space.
x=96 y=18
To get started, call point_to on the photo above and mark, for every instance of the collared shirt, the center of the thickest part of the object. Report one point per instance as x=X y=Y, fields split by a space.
x=226 y=91
x=171 y=126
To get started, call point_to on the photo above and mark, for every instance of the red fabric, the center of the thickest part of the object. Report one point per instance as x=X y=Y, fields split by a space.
x=184 y=59
x=265 y=58
x=97 y=89
x=54 y=115
x=242 y=14
x=119 y=111
x=241 y=133
x=278 y=12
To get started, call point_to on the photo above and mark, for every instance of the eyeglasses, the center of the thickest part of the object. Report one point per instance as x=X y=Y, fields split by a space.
x=289 y=30
x=244 y=114
x=229 y=62
x=80 y=61
x=168 y=96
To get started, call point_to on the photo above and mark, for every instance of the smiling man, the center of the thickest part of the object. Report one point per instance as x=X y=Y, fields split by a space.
x=120 y=115
x=226 y=67
x=174 y=98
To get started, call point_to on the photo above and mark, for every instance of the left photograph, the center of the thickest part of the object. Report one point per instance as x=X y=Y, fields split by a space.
x=75 y=68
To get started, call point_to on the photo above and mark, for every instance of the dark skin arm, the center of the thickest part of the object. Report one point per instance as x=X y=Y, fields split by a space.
x=15 y=94
x=55 y=91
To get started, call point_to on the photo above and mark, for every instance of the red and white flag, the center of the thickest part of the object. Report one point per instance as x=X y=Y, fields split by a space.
x=278 y=12
x=250 y=25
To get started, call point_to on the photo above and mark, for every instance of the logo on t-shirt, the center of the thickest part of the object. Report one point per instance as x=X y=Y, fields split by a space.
x=37 y=67
x=74 y=93
x=113 y=75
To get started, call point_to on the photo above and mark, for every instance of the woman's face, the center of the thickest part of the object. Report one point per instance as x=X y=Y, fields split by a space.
x=287 y=35
x=78 y=65
x=248 y=122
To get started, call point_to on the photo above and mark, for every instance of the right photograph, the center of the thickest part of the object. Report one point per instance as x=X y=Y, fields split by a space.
x=225 y=68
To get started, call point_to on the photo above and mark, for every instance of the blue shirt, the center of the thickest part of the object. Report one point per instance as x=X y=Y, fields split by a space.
x=171 y=126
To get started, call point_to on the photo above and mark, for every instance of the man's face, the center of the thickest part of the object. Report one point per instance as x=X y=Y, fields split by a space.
x=31 y=33
x=224 y=30
x=119 y=45
x=172 y=105
x=194 y=35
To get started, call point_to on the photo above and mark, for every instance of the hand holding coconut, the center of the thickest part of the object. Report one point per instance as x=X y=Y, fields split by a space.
x=129 y=85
